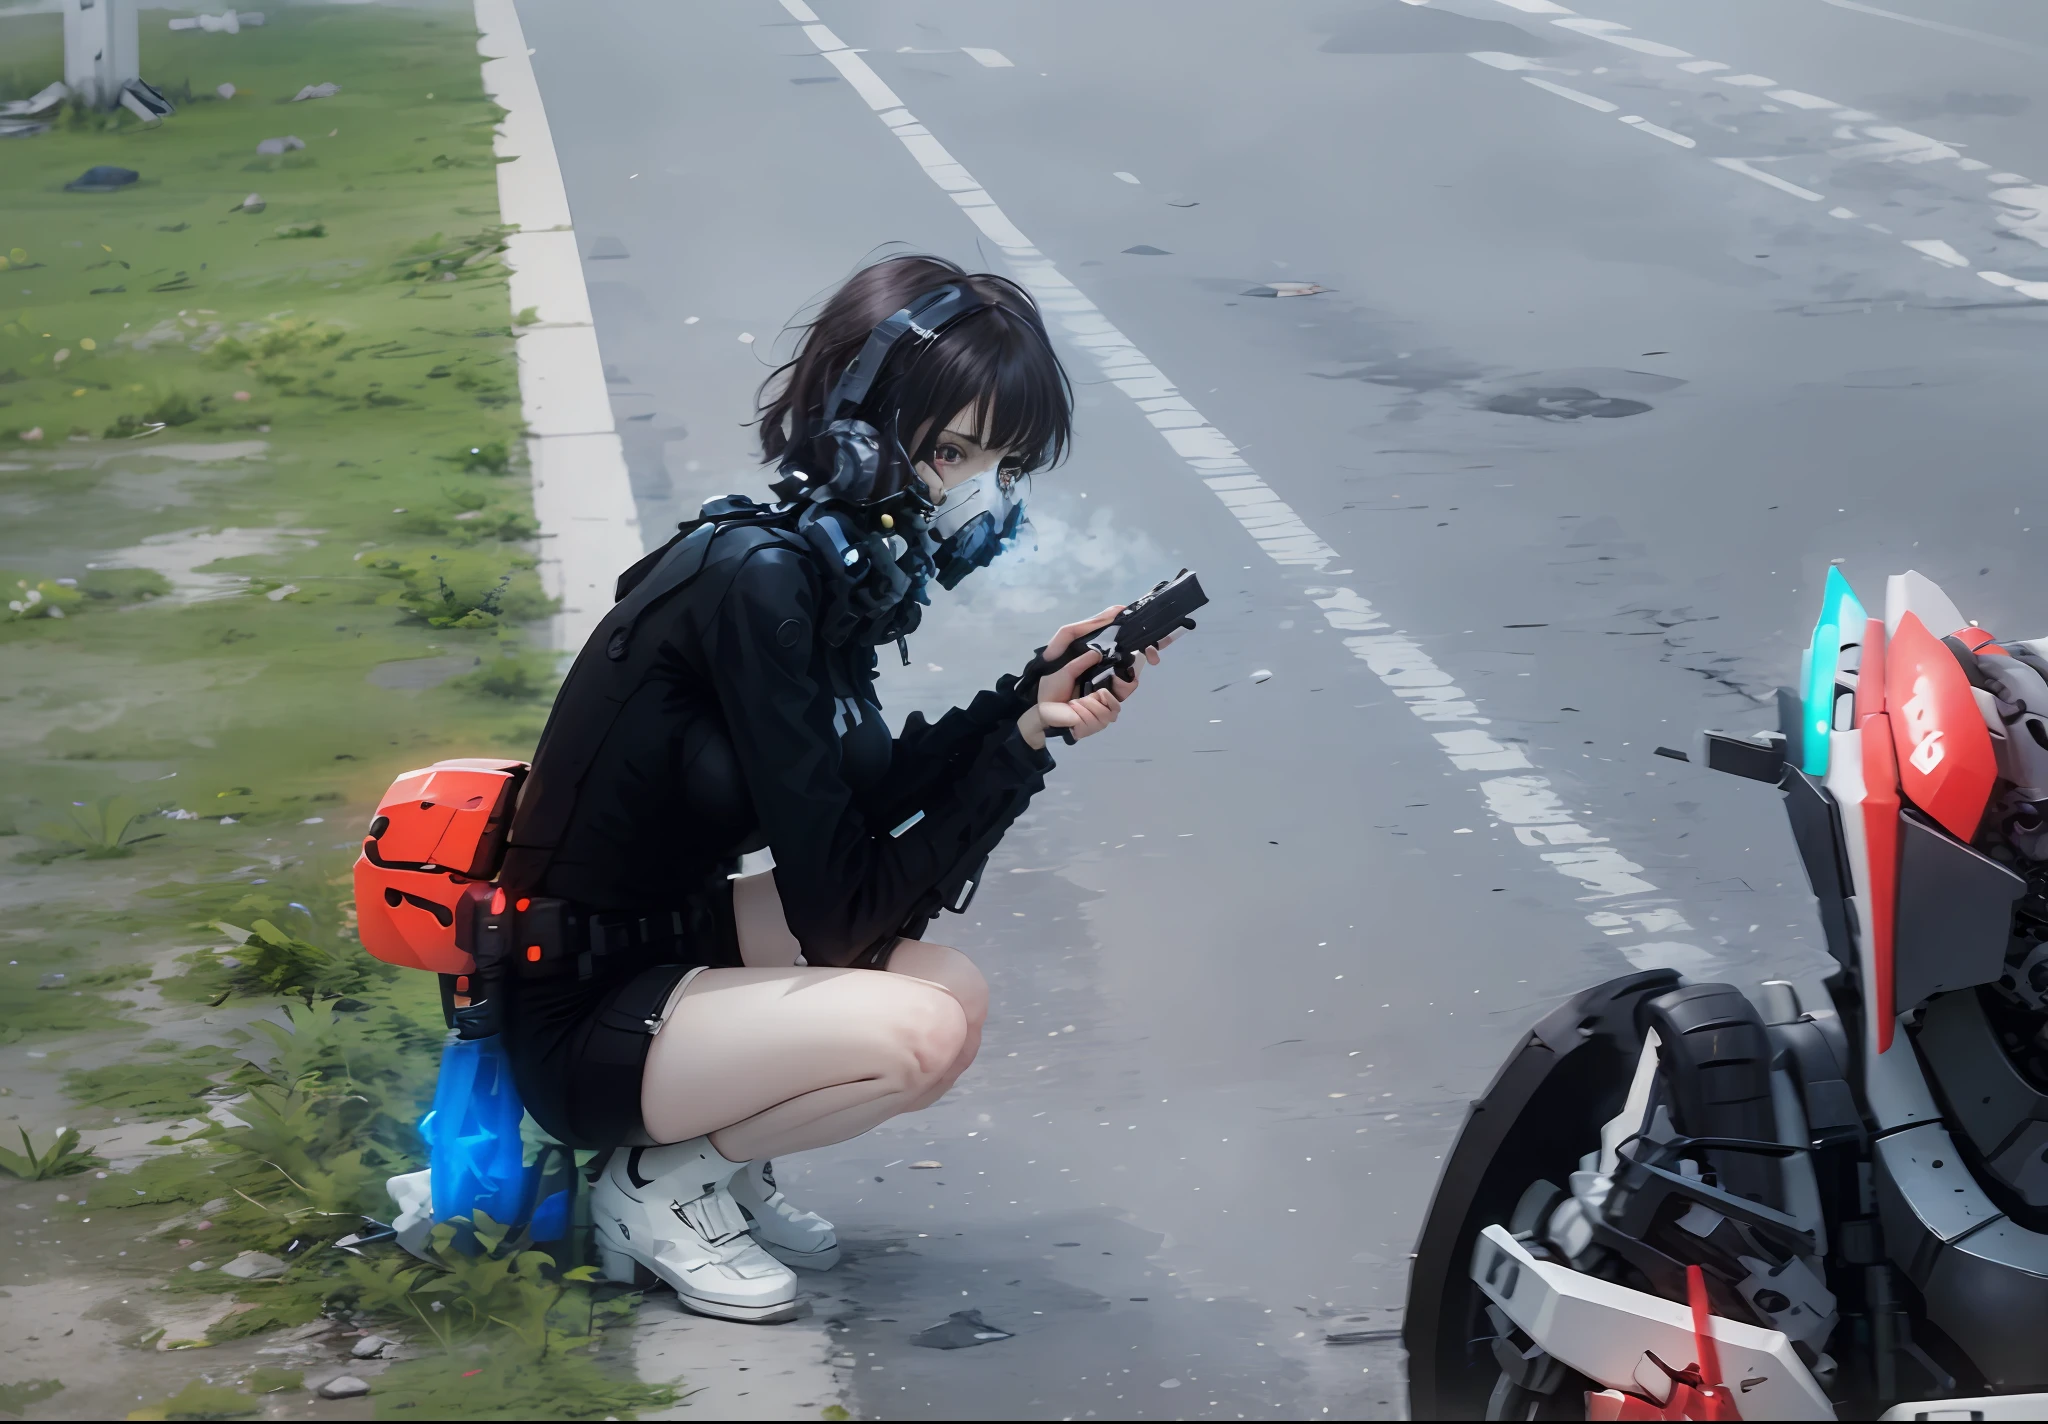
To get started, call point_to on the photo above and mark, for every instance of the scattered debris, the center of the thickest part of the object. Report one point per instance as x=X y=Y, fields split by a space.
x=146 y=101
x=227 y=24
x=43 y=101
x=1360 y=1337
x=344 y=1387
x=254 y=1266
x=961 y=1330
x=316 y=91
x=101 y=178
x=925 y=1166
x=304 y=229
x=226 y=91
x=1146 y=249
x=1284 y=289
x=271 y=147
x=370 y=1347
x=1182 y=200
x=1563 y=403
x=1262 y=675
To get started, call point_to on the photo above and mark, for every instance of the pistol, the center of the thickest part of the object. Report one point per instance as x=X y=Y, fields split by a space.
x=1143 y=624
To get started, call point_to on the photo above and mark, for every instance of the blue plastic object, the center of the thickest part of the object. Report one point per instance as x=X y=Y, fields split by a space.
x=1839 y=613
x=473 y=1144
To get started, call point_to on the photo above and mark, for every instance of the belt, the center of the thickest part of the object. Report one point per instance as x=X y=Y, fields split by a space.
x=552 y=939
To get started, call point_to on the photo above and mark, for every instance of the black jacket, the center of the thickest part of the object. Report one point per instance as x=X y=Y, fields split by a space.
x=746 y=730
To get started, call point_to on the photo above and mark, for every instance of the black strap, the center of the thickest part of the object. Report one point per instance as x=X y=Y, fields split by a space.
x=613 y=664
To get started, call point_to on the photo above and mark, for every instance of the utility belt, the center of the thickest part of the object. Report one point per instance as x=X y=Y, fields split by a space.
x=546 y=939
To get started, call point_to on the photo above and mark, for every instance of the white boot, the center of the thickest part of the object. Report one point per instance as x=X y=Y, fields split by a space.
x=790 y=1234
x=667 y=1210
x=413 y=1193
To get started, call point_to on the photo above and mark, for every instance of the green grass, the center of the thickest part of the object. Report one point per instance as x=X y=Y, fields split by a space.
x=280 y=450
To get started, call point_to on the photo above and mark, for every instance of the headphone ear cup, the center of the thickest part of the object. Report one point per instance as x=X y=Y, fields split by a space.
x=856 y=453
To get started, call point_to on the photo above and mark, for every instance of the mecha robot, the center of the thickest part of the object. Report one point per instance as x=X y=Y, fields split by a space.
x=1679 y=1200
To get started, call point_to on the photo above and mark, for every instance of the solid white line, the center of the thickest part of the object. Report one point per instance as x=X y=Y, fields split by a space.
x=1597 y=105
x=1736 y=165
x=582 y=494
x=1957 y=30
x=1526 y=803
x=1536 y=7
x=1649 y=128
x=988 y=58
x=1745 y=81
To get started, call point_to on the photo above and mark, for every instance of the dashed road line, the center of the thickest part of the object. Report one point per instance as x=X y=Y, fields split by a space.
x=2027 y=203
x=1527 y=803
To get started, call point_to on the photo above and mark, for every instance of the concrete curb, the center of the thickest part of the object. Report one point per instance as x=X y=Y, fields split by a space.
x=582 y=496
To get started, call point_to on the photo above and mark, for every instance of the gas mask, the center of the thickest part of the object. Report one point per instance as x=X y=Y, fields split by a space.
x=977 y=520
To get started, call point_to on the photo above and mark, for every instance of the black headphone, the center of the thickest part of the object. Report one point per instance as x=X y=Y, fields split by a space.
x=857 y=449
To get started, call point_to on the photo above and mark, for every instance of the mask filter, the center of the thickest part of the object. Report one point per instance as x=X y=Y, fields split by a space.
x=975 y=522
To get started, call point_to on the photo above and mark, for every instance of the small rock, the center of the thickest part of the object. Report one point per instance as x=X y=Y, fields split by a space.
x=1262 y=675
x=343 y=1387
x=196 y=1266
x=272 y=147
x=252 y=204
x=254 y=1266
x=370 y=1347
x=226 y=91
x=51 y=981
x=102 y=179
x=317 y=91
x=926 y=1166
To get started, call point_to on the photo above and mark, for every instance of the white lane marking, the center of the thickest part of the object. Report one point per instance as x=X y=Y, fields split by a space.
x=2026 y=207
x=2026 y=211
x=1961 y=32
x=1703 y=66
x=1972 y=165
x=1611 y=32
x=1937 y=249
x=1745 y=81
x=1649 y=128
x=1396 y=659
x=1127 y=177
x=1800 y=99
x=1515 y=63
x=988 y=58
x=1736 y=165
x=1536 y=7
x=2009 y=178
x=1894 y=144
x=1600 y=106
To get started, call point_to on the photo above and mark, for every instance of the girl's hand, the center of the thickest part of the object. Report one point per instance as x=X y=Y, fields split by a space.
x=1057 y=706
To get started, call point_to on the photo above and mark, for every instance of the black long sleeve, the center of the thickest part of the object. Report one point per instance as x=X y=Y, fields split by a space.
x=846 y=885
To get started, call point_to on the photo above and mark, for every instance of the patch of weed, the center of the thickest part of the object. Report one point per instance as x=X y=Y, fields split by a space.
x=60 y=1157
x=199 y=1400
x=16 y=1398
x=151 y=1089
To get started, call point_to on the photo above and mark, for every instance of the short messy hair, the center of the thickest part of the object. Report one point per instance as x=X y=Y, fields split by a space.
x=997 y=361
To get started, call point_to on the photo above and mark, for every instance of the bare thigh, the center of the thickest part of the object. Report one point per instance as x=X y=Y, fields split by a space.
x=741 y=1041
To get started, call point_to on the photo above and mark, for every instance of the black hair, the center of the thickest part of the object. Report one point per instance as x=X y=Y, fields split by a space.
x=997 y=361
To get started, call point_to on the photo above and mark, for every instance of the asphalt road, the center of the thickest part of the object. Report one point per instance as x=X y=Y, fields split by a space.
x=1625 y=338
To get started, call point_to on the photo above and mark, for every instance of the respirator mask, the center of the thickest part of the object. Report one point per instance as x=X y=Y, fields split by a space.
x=977 y=520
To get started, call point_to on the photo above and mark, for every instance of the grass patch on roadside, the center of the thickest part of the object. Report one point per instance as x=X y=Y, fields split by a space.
x=258 y=467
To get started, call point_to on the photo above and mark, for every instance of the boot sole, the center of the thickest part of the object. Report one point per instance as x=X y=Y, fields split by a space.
x=621 y=1263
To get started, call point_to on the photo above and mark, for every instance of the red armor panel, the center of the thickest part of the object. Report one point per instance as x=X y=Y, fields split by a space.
x=1946 y=764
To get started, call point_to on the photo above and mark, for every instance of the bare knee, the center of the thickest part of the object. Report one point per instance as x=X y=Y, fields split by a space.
x=950 y=970
x=923 y=1039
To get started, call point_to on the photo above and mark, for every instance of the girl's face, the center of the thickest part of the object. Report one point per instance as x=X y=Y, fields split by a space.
x=957 y=456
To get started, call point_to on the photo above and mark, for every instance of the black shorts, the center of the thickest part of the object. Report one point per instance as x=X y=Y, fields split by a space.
x=579 y=1046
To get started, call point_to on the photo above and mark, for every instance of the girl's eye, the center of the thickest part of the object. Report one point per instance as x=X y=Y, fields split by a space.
x=950 y=454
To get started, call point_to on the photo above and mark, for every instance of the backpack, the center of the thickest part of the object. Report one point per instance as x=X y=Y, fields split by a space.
x=453 y=843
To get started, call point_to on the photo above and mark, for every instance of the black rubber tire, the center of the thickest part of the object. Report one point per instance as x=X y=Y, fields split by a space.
x=1717 y=1063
